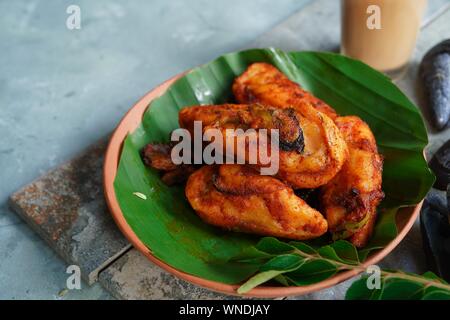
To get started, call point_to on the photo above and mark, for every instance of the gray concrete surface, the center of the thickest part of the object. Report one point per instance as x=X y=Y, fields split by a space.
x=66 y=207
x=61 y=90
x=133 y=277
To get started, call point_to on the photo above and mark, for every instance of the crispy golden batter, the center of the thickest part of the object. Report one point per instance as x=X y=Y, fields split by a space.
x=253 y=116
x=228 y=116
x=322 y=153
x=263 y=83
x=351 y=198
x=237 y=198
x=325 y=150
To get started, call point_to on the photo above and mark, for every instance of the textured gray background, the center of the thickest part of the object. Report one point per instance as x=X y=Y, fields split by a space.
x=61 y=90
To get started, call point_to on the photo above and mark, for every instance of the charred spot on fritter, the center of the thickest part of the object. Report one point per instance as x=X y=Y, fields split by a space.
x=157 y=155
x=357 y=205
x=354 y=203
x=284 y=120
x=226 y=188
x=298 y=94
x=291 y=134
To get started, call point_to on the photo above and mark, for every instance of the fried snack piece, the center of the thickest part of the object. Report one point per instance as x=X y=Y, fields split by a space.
x=350 y=200
x=157 y=156
x=236 y=197
x=263 y=83
x=253 y=116
x=312 y=150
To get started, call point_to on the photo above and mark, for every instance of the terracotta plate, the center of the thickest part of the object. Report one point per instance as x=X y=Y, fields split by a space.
x=405 y=218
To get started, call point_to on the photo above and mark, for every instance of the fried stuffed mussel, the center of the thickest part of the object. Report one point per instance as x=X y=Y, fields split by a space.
x=238 y=198
x=252 y=116
x=311 y=149
x=350 y=200
x=325 y=149
x=263 y=83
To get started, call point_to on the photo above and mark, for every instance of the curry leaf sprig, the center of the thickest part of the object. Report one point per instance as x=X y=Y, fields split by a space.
x=299 y=263
x=398 y=285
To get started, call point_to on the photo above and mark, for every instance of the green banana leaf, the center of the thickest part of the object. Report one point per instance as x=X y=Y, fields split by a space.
x=166 y=223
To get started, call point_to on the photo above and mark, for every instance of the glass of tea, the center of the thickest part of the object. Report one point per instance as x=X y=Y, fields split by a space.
x=381 y=33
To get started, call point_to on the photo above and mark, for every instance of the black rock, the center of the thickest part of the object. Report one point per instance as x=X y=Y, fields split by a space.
x=440 y=164
x=435 y=227
x=436 y=200
x=435 y=72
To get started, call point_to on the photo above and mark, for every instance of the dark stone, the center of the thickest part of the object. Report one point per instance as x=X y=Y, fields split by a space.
x=440 y=164
x=435 y=72
x=435 y=226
